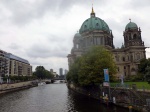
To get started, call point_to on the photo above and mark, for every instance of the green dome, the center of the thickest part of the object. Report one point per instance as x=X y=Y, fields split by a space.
x=77 y=35
x=94 y=23
x=131 y=25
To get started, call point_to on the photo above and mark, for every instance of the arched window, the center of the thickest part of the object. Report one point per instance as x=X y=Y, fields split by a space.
x=123 y=58
x=118 y=69
x=131 y=58
x=130 y=36
x=134 y=36
x=124 y=67
x=97 y=24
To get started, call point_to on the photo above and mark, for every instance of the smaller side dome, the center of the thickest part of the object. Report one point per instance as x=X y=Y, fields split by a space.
x=77 y=36
x=131 y=25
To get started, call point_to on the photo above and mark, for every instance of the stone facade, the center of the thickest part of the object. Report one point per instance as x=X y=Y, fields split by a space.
x=95 y=31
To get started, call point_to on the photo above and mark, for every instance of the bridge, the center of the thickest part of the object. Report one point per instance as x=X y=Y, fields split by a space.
x=59 y=78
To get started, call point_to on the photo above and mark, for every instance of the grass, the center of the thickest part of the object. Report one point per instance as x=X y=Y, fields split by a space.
x=139 y=85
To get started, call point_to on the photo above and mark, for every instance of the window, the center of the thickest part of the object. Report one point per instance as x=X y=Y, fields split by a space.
x=117 y=58
x=124 y=67
x=123 y=58
x=131 y=58
x=130 y=36
x=134 y=36
x=118 y=69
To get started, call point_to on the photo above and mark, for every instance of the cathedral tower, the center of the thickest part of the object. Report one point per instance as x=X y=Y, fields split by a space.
x=132 y=35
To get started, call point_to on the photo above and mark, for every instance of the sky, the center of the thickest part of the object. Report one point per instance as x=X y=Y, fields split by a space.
x=42 y=31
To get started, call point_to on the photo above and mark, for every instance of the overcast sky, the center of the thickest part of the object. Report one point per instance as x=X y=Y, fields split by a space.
x=42 y=31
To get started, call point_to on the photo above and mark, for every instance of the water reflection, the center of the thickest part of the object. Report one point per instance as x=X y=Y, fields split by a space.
x=52 y=98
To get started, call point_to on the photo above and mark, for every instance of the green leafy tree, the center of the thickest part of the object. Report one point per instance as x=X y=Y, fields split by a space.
x=92 y=64
x=42 y=73
x=143 y=65
x=73 y=73
x=88 y=69
x=48 y=74
x=144 y=69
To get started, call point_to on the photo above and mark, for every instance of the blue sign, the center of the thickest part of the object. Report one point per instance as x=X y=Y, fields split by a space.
x=106 y=75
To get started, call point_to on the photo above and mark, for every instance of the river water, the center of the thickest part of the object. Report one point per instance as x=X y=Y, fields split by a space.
x=52 y=98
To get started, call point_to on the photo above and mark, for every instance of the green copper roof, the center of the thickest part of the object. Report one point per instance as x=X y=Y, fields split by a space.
x=77 y=35
x=94 y=23
x=131 y=25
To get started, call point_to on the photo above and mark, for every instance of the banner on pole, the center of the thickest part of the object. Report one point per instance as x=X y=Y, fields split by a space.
x=106 y=75
x=106 y=84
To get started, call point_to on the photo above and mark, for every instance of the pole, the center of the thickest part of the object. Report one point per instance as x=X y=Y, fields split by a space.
x=109 y=92
x=130 y=108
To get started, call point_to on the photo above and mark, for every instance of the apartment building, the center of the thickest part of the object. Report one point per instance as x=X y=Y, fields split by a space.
x=13 y=65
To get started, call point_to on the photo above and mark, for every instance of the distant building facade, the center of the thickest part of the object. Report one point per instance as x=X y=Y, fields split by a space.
x=95 y=31
x=51 y=70
x=12 y=65
x=60 y=71
x=66 y=71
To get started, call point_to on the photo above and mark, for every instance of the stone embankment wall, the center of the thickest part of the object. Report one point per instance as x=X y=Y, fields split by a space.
x=4 y=88
x=102 y=92
x=93 y=92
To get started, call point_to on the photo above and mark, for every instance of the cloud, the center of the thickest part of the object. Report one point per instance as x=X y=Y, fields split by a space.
x=14 y=46
x=46 y=51
x=23 y=12
x=42 y=31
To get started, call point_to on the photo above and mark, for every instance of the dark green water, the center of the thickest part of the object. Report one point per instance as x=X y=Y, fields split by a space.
x=52 y=98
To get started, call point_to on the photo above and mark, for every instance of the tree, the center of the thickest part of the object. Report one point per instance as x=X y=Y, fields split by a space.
x=144 y=69
x=73 y=73
x=143 y=65
x=48 y=74
x=88 y=69
x=42 y=73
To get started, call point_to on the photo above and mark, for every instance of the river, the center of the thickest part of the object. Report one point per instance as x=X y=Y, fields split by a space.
x=52 y=98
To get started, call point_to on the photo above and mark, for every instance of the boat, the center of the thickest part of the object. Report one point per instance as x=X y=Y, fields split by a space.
x=41 y=83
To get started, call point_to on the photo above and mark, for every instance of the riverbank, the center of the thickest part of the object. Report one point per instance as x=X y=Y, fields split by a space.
x=5 y=88
x=126 y=98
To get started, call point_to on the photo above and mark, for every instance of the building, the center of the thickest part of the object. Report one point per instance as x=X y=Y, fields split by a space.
x=12 y=65
x=95 y=31
x=51 y=71
x=66 y=71
x=4 y=64
x=60 y=71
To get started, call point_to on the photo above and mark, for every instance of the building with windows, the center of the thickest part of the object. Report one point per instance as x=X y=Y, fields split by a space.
x=14 y=65
x=95 y=31
x=4 y=63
